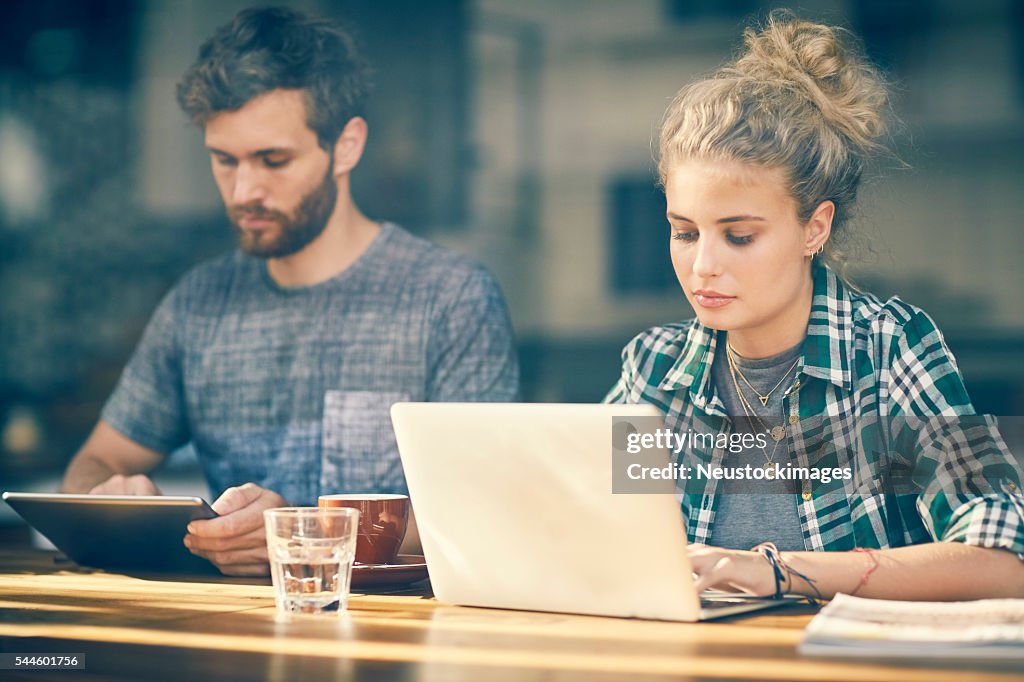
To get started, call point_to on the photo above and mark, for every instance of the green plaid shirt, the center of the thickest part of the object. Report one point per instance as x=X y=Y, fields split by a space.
x=864 y=363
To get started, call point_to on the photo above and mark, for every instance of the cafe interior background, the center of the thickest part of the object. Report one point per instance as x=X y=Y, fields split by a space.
x=517 y=131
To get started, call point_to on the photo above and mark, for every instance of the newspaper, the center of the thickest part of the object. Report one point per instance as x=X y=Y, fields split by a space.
x=852 y=626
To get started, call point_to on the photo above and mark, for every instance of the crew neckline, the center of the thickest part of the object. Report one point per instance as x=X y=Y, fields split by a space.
x=386 y=230
x=785 y=357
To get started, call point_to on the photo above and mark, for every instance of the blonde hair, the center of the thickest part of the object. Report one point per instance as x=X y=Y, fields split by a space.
x=801 y=97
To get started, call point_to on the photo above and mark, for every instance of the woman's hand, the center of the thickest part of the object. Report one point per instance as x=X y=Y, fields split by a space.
x=731 y=570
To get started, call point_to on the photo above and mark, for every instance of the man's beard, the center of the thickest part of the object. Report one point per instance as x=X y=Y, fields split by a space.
x=296 y=232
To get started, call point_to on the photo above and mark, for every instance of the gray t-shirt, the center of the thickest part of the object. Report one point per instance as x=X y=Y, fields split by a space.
x=290 y=388
x=748 y=513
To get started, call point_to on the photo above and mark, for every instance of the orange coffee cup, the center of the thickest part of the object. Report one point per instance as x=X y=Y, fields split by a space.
x=383 y=520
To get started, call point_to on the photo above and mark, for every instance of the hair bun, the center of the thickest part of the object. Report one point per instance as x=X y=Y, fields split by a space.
x=825 y=64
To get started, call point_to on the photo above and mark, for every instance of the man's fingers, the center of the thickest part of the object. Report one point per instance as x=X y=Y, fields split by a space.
x=258 y=569
x=119 y=484
x=219 y=543
x=237 y=520
x=237 y=523
x=239 y=497
x=242 y=512
x=143 y=486
x=225 y=560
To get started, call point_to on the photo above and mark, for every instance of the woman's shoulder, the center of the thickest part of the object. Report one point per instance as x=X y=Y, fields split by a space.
x=905 y=343
x=665 y=339
x=649 y=357
x=890 y=317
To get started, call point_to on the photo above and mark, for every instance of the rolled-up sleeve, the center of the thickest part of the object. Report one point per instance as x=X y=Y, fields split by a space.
x=969 y=481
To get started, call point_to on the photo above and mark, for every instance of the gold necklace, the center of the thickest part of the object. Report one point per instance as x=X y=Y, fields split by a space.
x=763 y=398
x=777 y=432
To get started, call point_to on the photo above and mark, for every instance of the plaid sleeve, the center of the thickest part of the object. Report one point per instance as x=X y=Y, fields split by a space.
x=620 y=391
x=969 y=481
x=644 y=360
x=989 y=521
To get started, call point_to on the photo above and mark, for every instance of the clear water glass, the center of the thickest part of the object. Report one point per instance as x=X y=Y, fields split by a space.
x=311 y=552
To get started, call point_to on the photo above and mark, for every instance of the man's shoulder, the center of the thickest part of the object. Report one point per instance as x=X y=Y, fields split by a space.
x=211 y=279
x=430 y=264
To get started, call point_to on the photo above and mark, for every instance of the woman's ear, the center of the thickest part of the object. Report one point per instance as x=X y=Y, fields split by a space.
x=349 y=147
x=819 y=228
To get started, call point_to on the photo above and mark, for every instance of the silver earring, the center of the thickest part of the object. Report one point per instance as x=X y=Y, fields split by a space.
x=820 y=249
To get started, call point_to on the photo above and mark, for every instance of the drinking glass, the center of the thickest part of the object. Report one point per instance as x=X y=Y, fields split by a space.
x=311 y=552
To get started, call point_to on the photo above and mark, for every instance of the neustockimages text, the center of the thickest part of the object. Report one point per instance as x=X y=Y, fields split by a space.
x=772 y=472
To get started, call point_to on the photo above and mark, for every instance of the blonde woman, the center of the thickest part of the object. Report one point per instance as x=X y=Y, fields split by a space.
x=761 y=164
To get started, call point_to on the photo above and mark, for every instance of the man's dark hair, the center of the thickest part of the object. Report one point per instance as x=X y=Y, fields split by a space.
x=265 y=49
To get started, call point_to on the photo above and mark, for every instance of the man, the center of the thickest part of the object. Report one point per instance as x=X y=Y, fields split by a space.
x=280 y=362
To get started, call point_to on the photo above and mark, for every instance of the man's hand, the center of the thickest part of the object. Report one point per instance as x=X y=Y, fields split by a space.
x=119 y=484
x=731 y=570
x=236 y=541
x=106 y=464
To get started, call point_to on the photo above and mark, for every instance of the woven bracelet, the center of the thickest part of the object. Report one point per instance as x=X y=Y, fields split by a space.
x=771 y=553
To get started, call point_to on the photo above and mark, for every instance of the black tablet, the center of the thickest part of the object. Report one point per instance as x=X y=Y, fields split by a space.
x=118 y=532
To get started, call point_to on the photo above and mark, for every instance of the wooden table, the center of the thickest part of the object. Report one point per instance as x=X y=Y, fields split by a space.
x=131 y=628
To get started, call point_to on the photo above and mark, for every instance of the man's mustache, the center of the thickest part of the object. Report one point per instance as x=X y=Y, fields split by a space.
x=257 y=212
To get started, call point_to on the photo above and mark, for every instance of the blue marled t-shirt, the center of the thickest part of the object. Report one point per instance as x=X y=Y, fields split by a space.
x=290 y=388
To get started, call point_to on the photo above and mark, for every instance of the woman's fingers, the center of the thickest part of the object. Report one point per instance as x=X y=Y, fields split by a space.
x=711 y=566
x=729 y=570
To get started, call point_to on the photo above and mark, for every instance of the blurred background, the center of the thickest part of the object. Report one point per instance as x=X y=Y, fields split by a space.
x=517 y=131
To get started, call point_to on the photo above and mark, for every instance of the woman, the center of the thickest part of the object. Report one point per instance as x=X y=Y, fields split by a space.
x=760 y=165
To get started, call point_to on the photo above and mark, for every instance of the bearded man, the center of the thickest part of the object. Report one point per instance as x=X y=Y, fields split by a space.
x=279 y=362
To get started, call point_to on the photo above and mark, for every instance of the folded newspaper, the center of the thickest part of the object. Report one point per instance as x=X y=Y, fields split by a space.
x=852 y=626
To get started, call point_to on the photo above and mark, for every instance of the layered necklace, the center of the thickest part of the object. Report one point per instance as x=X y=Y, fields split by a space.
x=777 y=432
x=736 y=370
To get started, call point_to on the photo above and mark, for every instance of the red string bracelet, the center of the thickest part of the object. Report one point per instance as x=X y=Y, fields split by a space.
x=872 y=565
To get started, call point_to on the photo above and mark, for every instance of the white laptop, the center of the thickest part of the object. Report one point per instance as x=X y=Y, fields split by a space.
x=515 y=510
